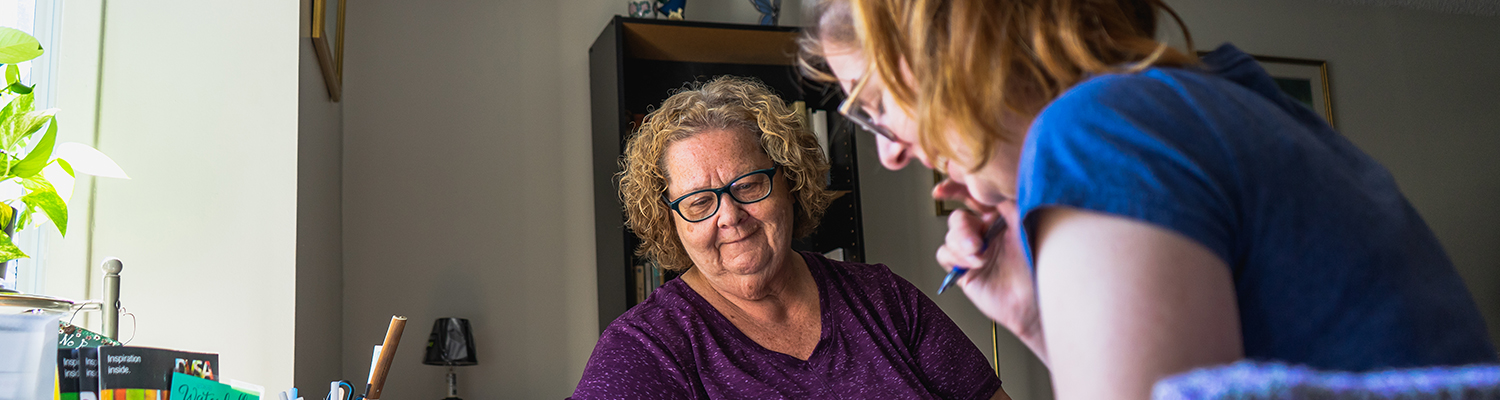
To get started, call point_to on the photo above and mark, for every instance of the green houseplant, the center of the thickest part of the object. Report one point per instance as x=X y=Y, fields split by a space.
x=38 y=173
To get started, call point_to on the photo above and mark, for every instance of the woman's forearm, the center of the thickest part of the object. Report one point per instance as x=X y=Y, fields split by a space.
x=1037 y=342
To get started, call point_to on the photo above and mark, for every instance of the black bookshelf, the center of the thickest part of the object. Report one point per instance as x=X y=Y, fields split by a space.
x=634 y=64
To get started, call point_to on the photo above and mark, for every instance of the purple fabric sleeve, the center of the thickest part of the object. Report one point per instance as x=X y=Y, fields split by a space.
x=881 y=338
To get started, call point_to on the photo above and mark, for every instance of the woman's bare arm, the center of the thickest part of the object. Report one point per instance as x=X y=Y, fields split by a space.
x=1000 y=395
x=1124 y=303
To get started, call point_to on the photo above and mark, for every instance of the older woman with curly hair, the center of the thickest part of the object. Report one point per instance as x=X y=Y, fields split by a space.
x=717 y=183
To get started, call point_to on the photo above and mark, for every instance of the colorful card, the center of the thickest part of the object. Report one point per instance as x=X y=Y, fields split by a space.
x=188 y=387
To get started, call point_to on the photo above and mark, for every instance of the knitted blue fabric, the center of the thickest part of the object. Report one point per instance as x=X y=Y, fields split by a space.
x=1247 y=380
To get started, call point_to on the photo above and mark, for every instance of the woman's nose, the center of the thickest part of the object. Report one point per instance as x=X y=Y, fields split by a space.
x=730 y=211
x=893 y=155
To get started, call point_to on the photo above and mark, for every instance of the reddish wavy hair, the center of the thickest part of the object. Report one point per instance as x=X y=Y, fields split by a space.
x=968 y=61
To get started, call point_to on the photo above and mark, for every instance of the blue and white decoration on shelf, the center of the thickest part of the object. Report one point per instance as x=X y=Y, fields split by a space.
x=672 y=8
x=770 y=11
x=642 y=9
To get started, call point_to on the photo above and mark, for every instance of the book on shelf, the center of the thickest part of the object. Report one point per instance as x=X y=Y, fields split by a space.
x=640 y=283
x=648 y=277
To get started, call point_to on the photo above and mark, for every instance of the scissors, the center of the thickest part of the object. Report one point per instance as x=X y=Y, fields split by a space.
x=344 y=388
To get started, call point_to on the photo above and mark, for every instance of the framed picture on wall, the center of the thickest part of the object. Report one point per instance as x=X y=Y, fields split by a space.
x=328 y=43
x=1303 y=79
x=944 y=207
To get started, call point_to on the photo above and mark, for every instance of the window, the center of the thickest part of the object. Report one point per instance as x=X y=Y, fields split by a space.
x=40 y=18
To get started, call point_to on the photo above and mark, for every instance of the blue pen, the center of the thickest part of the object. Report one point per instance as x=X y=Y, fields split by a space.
x=957 y=271
x=953 y=275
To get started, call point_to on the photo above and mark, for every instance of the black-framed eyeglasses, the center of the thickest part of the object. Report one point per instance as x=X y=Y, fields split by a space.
x=852 y=110
x=746 y=189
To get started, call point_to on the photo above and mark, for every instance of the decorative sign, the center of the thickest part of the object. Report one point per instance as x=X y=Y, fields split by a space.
x=72 y=337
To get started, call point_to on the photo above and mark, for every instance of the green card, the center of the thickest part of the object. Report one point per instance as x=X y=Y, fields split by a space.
x=188 y=387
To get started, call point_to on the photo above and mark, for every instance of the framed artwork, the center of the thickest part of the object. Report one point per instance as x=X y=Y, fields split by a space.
x=328 y=42
x=1303 y=79
x=943 y=207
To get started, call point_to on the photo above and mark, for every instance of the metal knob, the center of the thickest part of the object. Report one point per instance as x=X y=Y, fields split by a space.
x=112 y=267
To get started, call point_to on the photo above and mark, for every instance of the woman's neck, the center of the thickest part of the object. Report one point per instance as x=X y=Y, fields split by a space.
x=771 y=298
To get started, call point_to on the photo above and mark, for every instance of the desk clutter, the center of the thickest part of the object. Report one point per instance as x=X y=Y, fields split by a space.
x=131 y=372
x=36 y=364
x=43 y=357
x=380 y=365
x=114 y=372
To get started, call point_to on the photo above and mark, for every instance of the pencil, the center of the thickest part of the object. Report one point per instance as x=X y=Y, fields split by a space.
x=387 y=353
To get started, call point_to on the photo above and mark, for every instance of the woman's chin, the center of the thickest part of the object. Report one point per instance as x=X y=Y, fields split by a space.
x=750 y=263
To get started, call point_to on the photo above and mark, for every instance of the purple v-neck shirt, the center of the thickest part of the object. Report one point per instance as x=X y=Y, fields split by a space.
x=881 y=339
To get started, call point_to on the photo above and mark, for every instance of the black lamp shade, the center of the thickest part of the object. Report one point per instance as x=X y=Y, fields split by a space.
x=451 y=343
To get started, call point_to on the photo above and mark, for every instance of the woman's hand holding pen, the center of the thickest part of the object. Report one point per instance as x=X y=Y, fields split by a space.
x=998 y=281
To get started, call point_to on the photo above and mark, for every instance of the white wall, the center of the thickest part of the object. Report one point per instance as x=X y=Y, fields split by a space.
x=466 y=168
x=199 y=105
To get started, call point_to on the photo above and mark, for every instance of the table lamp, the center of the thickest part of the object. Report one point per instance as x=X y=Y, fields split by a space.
x=451 y=344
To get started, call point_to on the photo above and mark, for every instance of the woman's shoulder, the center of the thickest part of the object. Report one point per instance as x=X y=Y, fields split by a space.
x=852 y=272
x=1228 y=80
x=1172 y=108
x=644 y=353
x=1112 y=94
x=665 y=312
x=860 y=278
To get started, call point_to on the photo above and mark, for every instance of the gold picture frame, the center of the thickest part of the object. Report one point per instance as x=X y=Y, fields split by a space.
x=1305 y=80
x=324 y=34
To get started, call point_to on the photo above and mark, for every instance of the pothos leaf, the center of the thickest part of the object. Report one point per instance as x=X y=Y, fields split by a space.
x=9 y=110
x=8 y=250
x=37 y=158
x=25 y=219
x=61 y=180
x=17 y=46
x=21 y=127
x=66 y=167
x=16 y=121
x=32 y=121
x=12 y=74
x=83 y=159
x=44 y=197
x=7 y=215
x=19 y=88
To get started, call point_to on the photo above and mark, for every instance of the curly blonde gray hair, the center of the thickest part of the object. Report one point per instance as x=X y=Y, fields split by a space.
x=725 y=103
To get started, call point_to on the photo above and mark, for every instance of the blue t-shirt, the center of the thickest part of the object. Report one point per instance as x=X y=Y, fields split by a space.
x=1332 y=266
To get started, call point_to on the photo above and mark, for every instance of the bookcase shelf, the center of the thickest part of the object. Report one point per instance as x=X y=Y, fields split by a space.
x=634 y=65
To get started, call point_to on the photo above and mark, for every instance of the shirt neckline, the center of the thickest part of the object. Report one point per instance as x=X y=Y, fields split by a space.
x=717 y=320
